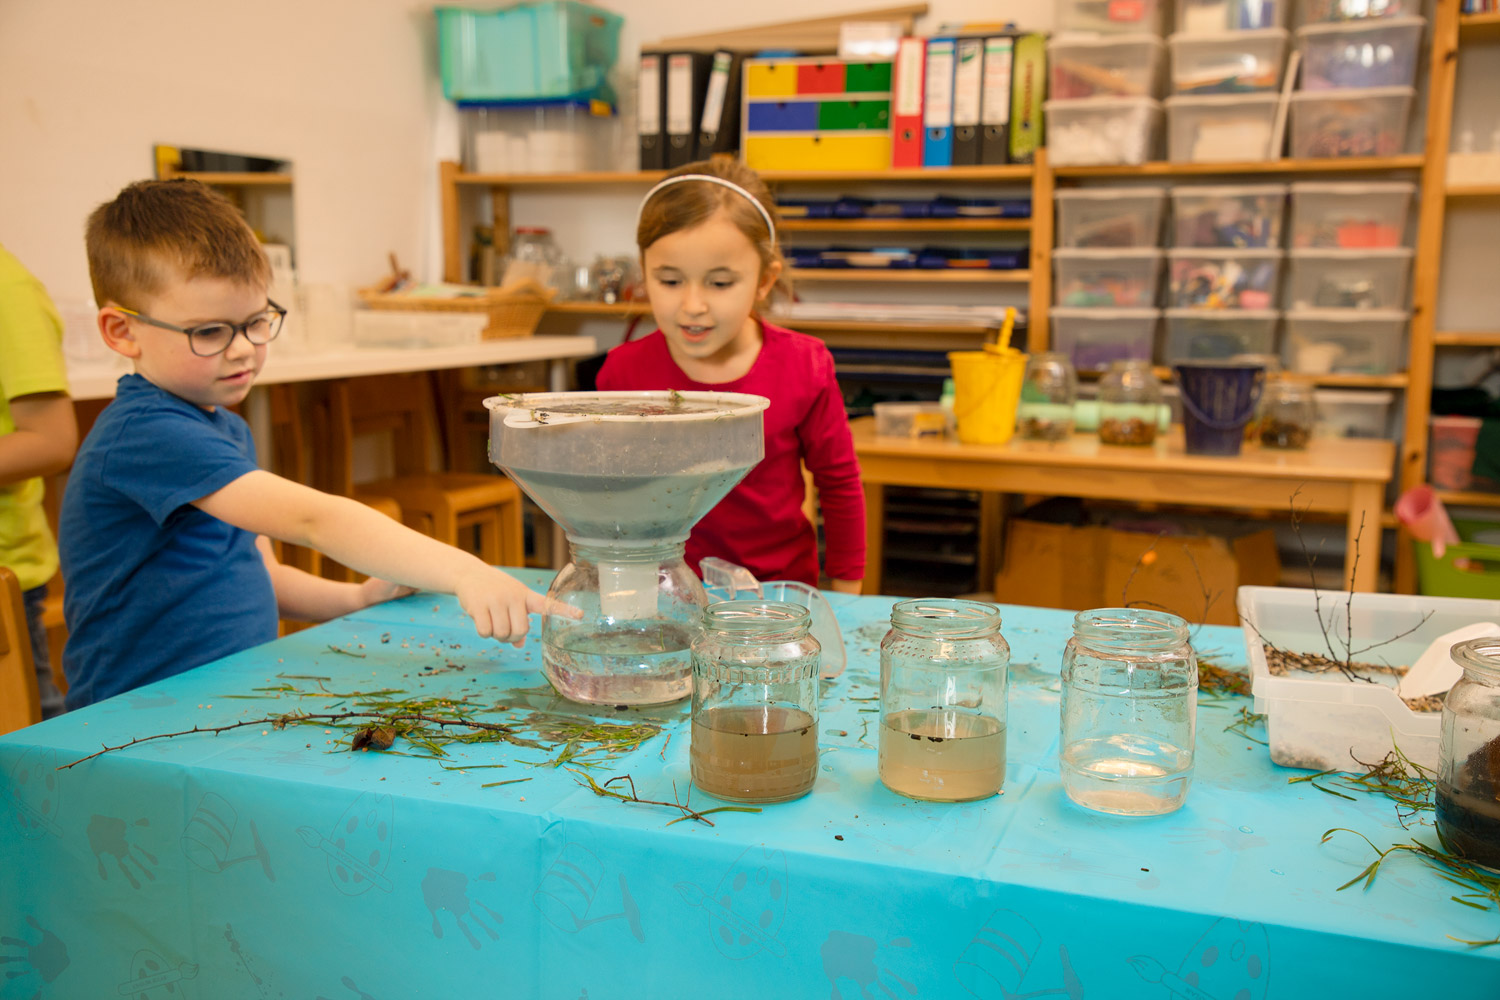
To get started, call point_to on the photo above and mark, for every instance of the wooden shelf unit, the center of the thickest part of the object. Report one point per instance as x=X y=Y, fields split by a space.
x=1468 y=498
x=1474 y=191
x=1479 y=28
x=1452 y=338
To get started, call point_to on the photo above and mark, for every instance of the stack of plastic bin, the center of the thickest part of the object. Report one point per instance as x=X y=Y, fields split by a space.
x=1346 y=294
x=1223 y=270
x=1359 y=65
x=1227 y=63
x=1106 y=69
x=1108 y=266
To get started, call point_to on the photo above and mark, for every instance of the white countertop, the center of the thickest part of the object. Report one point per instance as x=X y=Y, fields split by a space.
x=99 y=382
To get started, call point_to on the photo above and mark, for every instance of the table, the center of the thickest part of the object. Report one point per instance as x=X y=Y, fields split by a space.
x=1344 y=476
x=266 y=863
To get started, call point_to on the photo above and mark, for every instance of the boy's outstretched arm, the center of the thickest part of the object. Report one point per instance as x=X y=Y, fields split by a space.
x=370 y=542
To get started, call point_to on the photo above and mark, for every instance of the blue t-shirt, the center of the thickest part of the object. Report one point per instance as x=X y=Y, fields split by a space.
x=154 y=585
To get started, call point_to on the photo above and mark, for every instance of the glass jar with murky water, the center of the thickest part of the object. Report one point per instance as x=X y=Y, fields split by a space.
x=1129 y=708
x=944 y=670
x=1129 y=403
x=755 y=702
x=1468 y=789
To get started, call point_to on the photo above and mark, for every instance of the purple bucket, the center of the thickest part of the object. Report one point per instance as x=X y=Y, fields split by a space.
x=1218 y=400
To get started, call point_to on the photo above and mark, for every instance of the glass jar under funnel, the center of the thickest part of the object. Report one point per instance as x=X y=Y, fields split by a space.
x=626 y=475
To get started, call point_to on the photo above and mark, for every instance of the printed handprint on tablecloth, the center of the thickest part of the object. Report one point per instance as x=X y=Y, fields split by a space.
x=856 y=958
x=109 y=836
x=47 y=957
x=449 y=890
x=35 y=793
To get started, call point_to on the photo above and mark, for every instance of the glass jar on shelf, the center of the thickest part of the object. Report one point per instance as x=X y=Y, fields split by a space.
x=1288 y=413
x=1049 y=390
x=755 y=702
x=534 y=254
x=1129 y=708
x=943 y=676
x=1467 y=799
x=1129 y=403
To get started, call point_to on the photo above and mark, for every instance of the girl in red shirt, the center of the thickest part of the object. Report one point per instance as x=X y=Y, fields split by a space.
x=707 y=235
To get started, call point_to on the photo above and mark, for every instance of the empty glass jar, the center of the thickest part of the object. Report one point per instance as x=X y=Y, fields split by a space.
x=1287 y=414
x=1129 y=403
x=1468 y=788
x=943 y=674
x=1129 y=706
x=1048 y=392
x=755 y=702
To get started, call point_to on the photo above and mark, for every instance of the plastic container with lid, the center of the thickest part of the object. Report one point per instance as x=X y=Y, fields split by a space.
x=1206 y=17
x=1348 y=279
x=1337 y=123
x=1094 y=338
x=1120 y=278
x=1109 y=217
x=1368 y=53
x=1353 y=413
x=1202 y=334
x=1130 y=397
x=1228 y=215
x=1228 y=62
x=1110 y=16
x=1104 y=66
x=1348 y=216
x=1222 y=279
x=1344 y=341
x=1103 y=130
x=1221 y=128
x=1357 y=10
x=903 y=419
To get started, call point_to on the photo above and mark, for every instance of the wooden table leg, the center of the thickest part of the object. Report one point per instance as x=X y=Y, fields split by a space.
x=1362 y=538
x=874 y=536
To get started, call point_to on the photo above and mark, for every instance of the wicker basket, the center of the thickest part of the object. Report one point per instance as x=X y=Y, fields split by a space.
x=514 y=310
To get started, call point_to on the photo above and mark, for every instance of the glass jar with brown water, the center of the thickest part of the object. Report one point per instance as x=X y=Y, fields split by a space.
x=755 y=702
x=1468 y=788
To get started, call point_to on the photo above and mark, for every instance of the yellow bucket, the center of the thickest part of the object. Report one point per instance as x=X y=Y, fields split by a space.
x=986 y=391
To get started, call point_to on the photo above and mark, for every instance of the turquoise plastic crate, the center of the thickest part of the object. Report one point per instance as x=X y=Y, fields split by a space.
x=1441 y=578
x=530 y=52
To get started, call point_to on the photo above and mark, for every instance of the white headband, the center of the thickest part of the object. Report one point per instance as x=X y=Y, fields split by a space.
x=731 y=185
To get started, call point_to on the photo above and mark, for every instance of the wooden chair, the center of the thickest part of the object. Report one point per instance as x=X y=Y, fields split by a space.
x=20 y=704
x=449 y=506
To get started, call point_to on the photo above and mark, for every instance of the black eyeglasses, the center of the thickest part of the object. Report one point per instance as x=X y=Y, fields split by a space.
x=214 y=338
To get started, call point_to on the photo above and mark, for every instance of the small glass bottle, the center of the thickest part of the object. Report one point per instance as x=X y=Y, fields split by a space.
x=1048 y=392
x=1468 y=787
x=755 y=702
x=534 y=254
x=944 y=668
x=1129 y=403
x=1287 y=414
x=1129 y=706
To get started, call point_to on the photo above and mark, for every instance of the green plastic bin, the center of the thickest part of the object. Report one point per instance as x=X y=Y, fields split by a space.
x=529 y=52
x=1441 y=578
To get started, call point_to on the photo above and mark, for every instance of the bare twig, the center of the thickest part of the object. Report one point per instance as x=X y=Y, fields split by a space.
x=693 y=814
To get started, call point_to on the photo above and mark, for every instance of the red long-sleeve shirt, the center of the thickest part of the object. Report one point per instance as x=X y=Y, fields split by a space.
x=760 y=524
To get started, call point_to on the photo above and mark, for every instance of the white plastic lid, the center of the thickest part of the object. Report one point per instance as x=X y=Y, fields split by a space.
x=1107 y=104
x=1351 y=94
x=1220 y=100
x=1355 y=189
x=1356 y=253
x=1360 y=24
x=1346 y=316
x=1188 y=38
x=1109 y=193
x=1224 y=315
x=1217 y=253
x=1082 y=312
x=1226 y=190
x=1107 y=253
x=1093 y=40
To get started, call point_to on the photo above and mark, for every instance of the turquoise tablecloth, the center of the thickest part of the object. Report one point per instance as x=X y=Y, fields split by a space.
x=265 y=863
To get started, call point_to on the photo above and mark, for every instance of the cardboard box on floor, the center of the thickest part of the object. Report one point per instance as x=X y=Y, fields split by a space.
x=1077 y=568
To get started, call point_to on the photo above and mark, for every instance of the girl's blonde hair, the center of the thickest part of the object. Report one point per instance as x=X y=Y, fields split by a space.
x=685 y=205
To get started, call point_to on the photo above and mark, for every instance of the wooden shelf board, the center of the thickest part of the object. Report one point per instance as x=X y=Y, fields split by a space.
x=600 y=308
x=1411 y=161
x=909 y=276
x=1006 y=172
x=234 y=180
x=1468 y=498
x=563 y=180
x=1399 y=380
x=1453 y=338
x=1479 y=27
x=904 y=225
x=1473 y=191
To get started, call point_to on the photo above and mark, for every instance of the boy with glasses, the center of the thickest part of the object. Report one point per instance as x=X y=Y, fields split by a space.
x=167 y=518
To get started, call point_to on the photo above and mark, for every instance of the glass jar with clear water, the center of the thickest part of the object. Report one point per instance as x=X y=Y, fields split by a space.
x=1468 y=788
x=1129 y=403
x=1129 y=707
x=1048 y=392
x=944 y=669
x=755 y=702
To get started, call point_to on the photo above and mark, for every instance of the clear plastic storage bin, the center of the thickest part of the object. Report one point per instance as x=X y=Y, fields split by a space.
x=1105 y=66
x=1228 y=62
x=1221 y=127
x=1115 y=217
x=1094 y=278
x=1206 y=17
x=1206 y=334
x=537 y=139
x=1095 y=338
x=1343 y=341
x=1110 y=16
x=1223 y=279
x=526 y=52
x=1332 y=123
x=1102 y=130
x=910 y=420
x=1357 y=10
x=1348 y=279
x=1369 y=53
x=1353 y=413
x=1229 y=215
x=1350 y=216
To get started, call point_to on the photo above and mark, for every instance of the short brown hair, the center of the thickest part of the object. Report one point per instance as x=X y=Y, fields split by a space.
x=153 y=227
x=683 y=206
